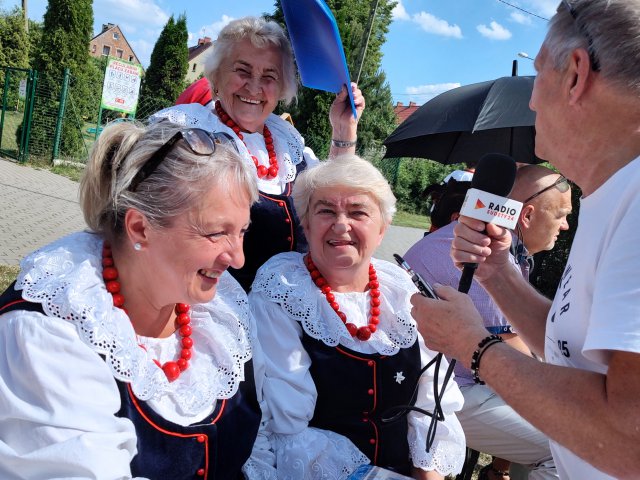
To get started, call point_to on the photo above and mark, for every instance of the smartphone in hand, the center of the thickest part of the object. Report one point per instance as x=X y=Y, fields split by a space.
x=421 y=283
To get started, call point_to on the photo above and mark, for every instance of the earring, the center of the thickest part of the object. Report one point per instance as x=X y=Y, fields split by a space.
x=137 y=246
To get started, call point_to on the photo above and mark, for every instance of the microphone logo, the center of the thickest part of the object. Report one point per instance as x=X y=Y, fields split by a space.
x=491 y=208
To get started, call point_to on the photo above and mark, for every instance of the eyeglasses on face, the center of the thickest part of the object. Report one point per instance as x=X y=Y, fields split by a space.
x=199 y=142
x=595 y=64
x=561 y=184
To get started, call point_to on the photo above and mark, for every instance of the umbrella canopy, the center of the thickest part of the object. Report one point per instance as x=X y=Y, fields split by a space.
x=463 y=124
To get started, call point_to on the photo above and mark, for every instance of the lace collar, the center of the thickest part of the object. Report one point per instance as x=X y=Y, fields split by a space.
x=284 y=279
x=65 y=277
x=288 y=143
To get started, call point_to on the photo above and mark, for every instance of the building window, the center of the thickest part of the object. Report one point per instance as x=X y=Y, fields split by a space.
x=194 y=67
x=106 y=50
x=131 y=58
x=116 y=36
x=119 y=53
x=93 y=48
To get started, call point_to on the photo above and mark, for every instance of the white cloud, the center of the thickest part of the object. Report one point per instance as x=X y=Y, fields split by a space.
x=428 y=22
x=494 y=31
x=432 y=24
x=424 y=93
x=143 y=51
x=212 y=30
x=521 y=18
x=143 y=12
x=399 y=13
x=545 y=8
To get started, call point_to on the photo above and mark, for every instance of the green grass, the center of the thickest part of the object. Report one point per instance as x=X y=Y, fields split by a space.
x=8 y=274
x=69 y=171
x=405 y=219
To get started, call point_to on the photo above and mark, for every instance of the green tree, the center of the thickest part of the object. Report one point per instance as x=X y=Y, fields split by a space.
x=164 y=80
x=311 y=111
x=14 y=41
x=66 y=32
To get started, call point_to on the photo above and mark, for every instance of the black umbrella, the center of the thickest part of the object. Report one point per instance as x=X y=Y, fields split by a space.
x=465 y=123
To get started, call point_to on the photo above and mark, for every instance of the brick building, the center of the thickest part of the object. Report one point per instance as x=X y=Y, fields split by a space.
x=197 y=57
x=403 y=111
x=111 y=42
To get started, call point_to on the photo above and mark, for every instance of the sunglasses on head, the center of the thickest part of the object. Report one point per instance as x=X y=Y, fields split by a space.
x=561 y=184
x=595 y=64
x=199 y=142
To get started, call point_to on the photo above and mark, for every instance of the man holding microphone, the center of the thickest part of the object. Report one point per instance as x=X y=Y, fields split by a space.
x=586 y=395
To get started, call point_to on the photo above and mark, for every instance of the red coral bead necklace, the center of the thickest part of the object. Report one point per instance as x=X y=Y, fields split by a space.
x=362 y=333
x=263 y=171
x=171 y=369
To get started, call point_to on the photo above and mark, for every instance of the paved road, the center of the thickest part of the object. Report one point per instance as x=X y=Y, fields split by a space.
x=37 y=207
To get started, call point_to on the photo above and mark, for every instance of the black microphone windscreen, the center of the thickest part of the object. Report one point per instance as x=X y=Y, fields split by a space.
x=495 y=173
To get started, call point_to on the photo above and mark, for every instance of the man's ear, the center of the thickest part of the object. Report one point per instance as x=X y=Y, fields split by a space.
x=136 y=227
x=579 y=73
x=526 y=215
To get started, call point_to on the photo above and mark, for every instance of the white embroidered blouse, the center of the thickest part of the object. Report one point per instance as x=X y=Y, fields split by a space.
x=285 y=302
x=289 y=144
x=58 y=395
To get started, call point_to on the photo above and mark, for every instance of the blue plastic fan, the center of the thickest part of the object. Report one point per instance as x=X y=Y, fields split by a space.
x=317 y=46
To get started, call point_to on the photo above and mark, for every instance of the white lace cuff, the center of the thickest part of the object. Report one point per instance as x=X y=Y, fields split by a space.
x=447 y=453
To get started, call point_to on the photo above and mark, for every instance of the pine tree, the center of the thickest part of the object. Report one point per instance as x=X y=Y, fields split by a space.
x=311 y=112
x=14 y=41
x=165 y=78
x=14 y=52
x=66 y=32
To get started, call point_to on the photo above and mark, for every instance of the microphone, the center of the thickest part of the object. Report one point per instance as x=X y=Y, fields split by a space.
x=487 y=200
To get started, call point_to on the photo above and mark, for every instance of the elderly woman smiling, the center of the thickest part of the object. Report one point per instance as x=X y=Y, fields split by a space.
x=341 y=346
x=128 y=351
x=250 y=70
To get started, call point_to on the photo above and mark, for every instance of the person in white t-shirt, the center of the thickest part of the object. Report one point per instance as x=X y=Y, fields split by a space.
x=585 y=396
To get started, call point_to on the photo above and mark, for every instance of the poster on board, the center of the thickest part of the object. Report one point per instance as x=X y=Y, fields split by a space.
x=121 y=86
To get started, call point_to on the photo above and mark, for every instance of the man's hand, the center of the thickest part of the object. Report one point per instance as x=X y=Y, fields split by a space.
x=451 y=325
x=483 y=243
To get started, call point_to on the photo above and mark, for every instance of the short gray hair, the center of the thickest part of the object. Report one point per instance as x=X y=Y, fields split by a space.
x=172 y=189
x=614 y=28
x=262 y=33
x=348 y=171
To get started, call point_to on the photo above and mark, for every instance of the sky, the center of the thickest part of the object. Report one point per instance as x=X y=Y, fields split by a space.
x=432 y=45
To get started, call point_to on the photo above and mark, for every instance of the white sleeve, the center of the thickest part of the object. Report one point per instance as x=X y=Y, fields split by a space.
x=58 y=401
x=288 y=388
x=290 y=394
x=310 y=157
x=447 y=453
x=261 y=464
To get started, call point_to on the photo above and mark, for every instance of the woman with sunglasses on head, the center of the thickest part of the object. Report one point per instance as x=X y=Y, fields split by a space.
x=128 y=350
x=250 y=70
x=343 y=356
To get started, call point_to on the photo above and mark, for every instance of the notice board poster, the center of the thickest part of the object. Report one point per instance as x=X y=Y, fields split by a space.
x=121 y=86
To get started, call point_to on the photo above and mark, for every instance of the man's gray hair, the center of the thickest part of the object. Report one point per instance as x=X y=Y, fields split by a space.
x=612 y=27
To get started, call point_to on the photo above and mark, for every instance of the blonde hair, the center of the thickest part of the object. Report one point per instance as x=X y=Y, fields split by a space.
x=261 y=33
x=175 y=186
x=348 y=171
